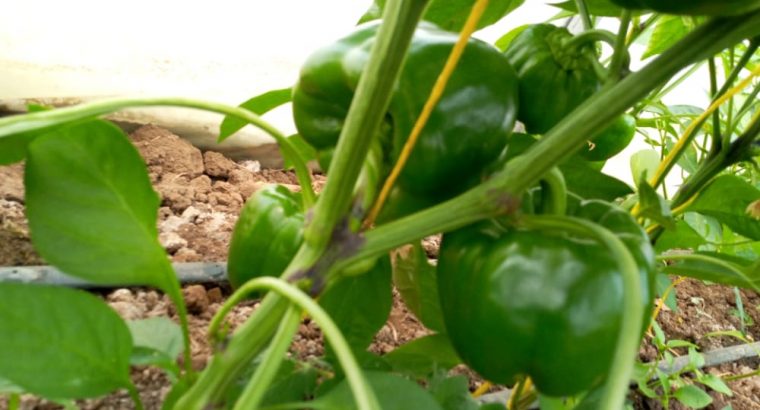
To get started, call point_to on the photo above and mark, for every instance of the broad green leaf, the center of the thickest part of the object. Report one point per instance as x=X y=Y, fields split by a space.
x=91 y=208
x=504 y=41
x=603 y=8
x=392 y=392
x=716 y=383
x=451 y=14
x=667 y=31
x=61 y=343
x=682 y=236
x=644 y=162
x=259 y=105
x=304 y=150
x=589 y=183
x=294 y=381
x=453 y=393
x=663 y=282
x=732 y=201
x=718 y=268
x=654 y=207
x=360 y=304
x=421 y=357
x=415 y=280
x=156 y=341
x=693 y=396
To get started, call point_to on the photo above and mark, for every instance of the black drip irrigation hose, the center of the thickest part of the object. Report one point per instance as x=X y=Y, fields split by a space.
x=189 y=272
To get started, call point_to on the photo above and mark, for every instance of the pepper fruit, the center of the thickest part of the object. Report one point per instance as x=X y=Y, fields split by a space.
x=544 y=304
x=466 y=131
x=266 y=235
x=553 y=78
x=611 y=140
x=693 y=7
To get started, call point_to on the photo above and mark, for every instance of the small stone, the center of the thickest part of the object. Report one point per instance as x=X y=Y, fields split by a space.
x=214 y=295
x=196 y=298
x=172 y=242
x=121 y=295
x=128 y=310
x=251 y=165
x=217 y=165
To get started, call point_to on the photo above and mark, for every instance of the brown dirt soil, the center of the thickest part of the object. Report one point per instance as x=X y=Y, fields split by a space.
x=202 y=194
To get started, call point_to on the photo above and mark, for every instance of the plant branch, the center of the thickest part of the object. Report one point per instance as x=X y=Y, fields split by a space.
x=370 y=103
x=585 y=16
x=620 y=56
x=42 y=120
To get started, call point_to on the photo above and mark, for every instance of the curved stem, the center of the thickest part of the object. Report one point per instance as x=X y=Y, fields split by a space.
x=621 y=368
x=362 y=391
x=717 y=140
x=257 y=386
x=554 y=193
x=620 y=56
x=435 y=96
x=41 y=120
x=590 y=37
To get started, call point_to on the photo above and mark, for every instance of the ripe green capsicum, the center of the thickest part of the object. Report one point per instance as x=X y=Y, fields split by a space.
x=693 y=7
x=544 y=304
x=466 y=131
x=266 y=235
x=611 y=140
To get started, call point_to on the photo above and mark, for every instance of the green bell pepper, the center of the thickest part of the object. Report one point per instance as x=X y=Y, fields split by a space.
x=611 y=140
x=266 y=235
x=693 y=7
x=553 y=78
x=543 y=304
x=466 y=131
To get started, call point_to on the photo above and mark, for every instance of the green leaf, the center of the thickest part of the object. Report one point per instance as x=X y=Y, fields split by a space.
x=672 y=344
x=61 y=343
x=682 y=236
x=716 y=383
x=259 y=105
x=304 y=150
x=7 y=387
x=392 y=392
x=654 y=207
x=604 y=8
x=662 y=283
x=451 y=14
x=718 y=268
x=668 y=31
x=360 y=305
x=156 y=341
x=732 y=201
x=453 y=393
x=91 y=208
x=589 y=183
x=503 y=42
x=415 y=280
x=693 y=396
x=644 y=162
x=423 y=356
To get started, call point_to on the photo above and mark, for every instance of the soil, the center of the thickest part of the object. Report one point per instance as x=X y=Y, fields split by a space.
x=202 y=194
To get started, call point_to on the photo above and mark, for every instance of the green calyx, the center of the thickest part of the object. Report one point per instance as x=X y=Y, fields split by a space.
x=466 y=131
x=541 y=303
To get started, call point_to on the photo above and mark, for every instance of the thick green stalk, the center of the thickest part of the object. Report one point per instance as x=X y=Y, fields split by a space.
x=714 y=94
x=501 y=193
x=230 y=360
x=257 y=386
x=368 y=108
x=42 y=120
x=629 y=335
x=583 y=12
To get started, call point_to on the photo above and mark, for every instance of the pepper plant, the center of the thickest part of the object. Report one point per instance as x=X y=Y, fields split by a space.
x=548 y=268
